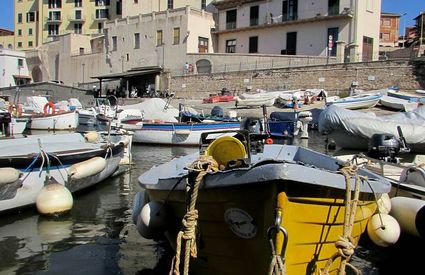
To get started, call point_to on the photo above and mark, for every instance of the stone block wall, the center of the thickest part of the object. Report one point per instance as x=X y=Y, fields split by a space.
x=335 y=78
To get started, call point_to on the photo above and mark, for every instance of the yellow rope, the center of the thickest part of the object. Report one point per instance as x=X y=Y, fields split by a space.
x=202 y=166
x=345 y=244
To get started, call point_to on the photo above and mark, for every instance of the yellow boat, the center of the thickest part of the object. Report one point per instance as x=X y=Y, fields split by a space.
x=259 y=208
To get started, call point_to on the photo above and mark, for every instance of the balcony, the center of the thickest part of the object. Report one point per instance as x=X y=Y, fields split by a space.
x=54 y=20
x=101 y=17
x=230 y=25
x=73 y=18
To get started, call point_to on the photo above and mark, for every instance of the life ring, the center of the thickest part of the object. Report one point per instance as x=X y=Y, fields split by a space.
x=50 y=105
x=15 y=110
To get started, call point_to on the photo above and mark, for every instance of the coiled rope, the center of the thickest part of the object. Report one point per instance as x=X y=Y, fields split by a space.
x=345 y=244
x=200 y=167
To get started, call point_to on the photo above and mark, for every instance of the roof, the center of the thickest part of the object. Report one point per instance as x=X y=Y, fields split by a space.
x=390 y=14
x=131 y=73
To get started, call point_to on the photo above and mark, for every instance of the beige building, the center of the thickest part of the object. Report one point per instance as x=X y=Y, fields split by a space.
x=6 y=39
x=299 y=27
x=40 y=21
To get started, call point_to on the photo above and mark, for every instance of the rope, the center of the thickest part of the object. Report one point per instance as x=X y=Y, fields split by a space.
x=187 y=234
x=345 y=244
x=277 y=267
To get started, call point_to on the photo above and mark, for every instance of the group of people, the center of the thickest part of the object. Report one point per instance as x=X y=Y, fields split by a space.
x=133 y=93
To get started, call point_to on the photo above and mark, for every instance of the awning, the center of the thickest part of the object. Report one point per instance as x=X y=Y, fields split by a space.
x=21 y=76
x=131 y=73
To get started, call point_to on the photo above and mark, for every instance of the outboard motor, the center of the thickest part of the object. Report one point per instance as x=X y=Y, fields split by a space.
x=217 y=111
x=253 y=125
x=384 y=147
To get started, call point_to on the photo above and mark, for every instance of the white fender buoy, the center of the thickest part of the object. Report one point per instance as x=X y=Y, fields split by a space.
x=91 y=136
x=87 y=168
x=125 y=140
x=152 y=220
x=54 y=198
x=139 y=201
x=384 y=204
x=410 y=214
x=8 y=175
x=383 y=234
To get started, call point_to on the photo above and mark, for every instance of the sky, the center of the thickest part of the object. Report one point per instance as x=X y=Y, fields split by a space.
x=410 y=7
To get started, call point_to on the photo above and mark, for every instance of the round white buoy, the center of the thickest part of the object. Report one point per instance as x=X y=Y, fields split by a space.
x=8 y=175
x=410 y=214
x=54 y=198
x=383 y=234
x=384 y=204
x=139 y=201
x=152 y=220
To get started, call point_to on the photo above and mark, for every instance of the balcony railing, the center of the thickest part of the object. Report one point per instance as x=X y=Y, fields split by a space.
x=73 y=18
x=253 y=22
x=230 y=25
x=53 y=20
x=100 y=17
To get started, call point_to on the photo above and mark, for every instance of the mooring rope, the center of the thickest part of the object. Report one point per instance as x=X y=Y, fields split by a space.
x=345 y=244
x=201 y=166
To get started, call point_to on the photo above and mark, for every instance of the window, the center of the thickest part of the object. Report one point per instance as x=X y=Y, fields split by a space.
x=29 y=31
x=78 y=14
x=333 y=7
x=159 y=38
x=78 y=3
x=9 y=46
x=369 y=5
x=203 y=4
x=170 y=4
x=19 y=17
x=102 y=13
x=137 y=40
x=81 y=51
x=30 y=17
x=231 y=19
x=253 y=16
x=78 y=28
x=20 y=62
x=289 y=10
x=1 y=46
x=19 y=32
x=114 y=43
x=231 y=46
x=29 y=43
x=135 y=1
x=119 y=7
x=19 y=44
x=203 y=45
x=55 y=4
x=127 y=57
x=53 y=30
x=102 y=3
x=253 y=44
x=386 y=22
x=54 y=15
x=385 y=36
x=334 y=33
x=176 y=36
x=99 y=27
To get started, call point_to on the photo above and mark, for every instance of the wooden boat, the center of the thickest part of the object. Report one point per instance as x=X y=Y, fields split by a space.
x=264 y=203
x=175 y=133
x=218 y=98
x=398 y=103
x=406 y=96
x=360 y=101
x=76 y=161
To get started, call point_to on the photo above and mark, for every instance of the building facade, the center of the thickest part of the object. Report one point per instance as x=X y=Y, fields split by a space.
x=299 y=27
x=389 y=30
x=6 y=39
x=13 y=68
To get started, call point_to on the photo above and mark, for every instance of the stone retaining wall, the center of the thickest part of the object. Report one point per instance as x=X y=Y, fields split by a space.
x=335 y=78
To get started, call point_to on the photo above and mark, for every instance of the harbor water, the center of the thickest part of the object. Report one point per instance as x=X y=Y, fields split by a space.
x=98 y=236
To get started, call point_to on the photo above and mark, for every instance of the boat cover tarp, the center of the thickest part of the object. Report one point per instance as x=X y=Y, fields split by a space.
x=284 y=116
x=362 y=124
x=155 y=109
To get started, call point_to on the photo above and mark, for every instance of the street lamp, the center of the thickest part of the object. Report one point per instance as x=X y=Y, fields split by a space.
x=404 y=29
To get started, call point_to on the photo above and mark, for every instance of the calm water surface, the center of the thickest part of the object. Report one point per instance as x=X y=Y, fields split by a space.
x=98 y=236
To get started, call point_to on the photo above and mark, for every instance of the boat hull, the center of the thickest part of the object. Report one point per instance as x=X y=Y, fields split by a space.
x=58 y=121
x=34 y=180
x=354 y=104
x=233 y=224
x=178 y=133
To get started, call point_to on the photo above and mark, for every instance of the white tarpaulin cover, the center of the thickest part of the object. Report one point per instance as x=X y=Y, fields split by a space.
x=154 y=109
x=364 y=125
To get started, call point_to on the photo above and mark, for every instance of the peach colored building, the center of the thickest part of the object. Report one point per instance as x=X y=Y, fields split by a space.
x=389 y=29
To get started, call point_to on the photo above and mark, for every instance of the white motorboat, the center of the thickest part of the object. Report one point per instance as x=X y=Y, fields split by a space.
x=398 y=103
x=27 y=164
x=360 y=101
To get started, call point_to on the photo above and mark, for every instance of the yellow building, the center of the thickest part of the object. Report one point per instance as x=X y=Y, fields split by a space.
x=6 y=39
x=39 y=21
